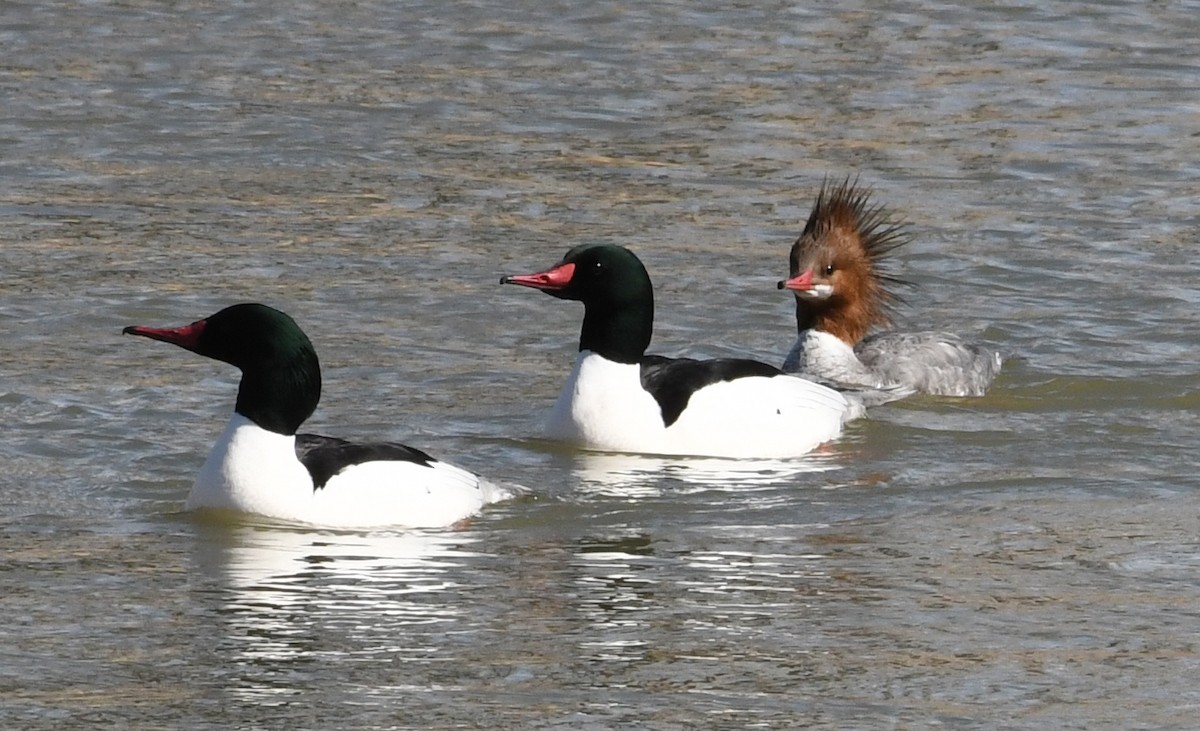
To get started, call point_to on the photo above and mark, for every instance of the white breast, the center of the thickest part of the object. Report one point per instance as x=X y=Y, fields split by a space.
x=828 y=358
x=603 y=406
x=253 y=470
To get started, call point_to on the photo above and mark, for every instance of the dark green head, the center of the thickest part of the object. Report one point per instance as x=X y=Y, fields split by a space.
x=616 y=293
x=281 y=376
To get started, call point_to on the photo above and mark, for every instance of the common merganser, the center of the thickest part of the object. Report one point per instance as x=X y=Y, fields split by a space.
x=619 y=399
x=261 y=466
x=837 y=273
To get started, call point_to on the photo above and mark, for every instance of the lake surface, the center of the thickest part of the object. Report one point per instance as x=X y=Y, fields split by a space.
x=1030 y=559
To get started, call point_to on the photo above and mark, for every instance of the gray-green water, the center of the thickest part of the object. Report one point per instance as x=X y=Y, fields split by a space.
x=1026 y=560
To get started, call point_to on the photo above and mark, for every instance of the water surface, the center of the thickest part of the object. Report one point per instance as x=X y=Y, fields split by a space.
x=1024 y=560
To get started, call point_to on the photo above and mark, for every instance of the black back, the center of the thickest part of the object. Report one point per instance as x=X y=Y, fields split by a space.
x=324 y=457
x=672 y=381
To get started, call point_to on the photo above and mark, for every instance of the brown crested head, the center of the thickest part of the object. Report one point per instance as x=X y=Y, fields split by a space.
x=838 y=268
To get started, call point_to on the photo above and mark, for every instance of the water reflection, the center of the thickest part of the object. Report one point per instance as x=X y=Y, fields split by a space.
x=615 y=585
x=291 y=601
x=634 y=476
x=640 y=600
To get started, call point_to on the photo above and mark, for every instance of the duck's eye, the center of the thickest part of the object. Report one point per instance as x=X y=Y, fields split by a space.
x=828 y=269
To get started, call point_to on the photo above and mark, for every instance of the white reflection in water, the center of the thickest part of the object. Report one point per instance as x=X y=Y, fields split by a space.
x=714 y=587
x=634 y=475
x=616 y=589
x=293 y=600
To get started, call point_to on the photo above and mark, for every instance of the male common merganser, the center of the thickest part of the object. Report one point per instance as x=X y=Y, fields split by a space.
x=619 y=399
x=261 y=466
x=837 y=275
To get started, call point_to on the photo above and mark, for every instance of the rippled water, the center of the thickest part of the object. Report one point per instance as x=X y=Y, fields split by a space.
x=1025 y=560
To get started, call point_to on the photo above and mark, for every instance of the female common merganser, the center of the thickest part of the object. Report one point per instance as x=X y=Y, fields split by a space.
x=619 y=399
x=261 y=466
x=837 y=276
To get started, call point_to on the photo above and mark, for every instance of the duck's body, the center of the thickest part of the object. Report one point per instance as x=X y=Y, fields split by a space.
x=841 y=290
x=302 y=478
x=605 y=405
x=261 y=466
x=617 y=398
